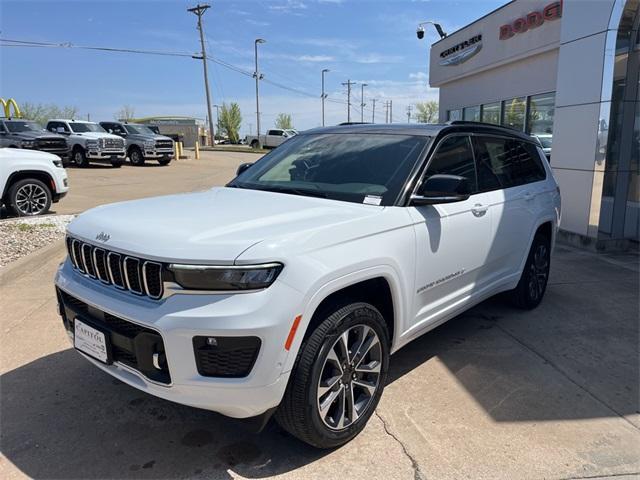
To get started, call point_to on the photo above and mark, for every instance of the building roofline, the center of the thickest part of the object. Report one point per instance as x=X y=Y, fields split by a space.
x=475 y=21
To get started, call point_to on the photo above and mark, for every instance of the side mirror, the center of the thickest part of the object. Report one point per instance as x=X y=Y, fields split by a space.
x=442 y=189
x=243 y=167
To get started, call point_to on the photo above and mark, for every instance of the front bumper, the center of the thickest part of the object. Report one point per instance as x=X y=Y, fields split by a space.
x=159 y=153
x=267 y=314
x=106 y=155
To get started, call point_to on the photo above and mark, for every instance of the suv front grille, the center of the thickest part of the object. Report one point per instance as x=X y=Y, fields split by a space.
x=113 y=143
x=141 y=277
x=164 y=144
x=51 y=144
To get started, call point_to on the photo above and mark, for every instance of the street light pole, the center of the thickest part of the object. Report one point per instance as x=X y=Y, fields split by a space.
x=258 y=77
x=199 y=11
x=373 y=115
x=362 y=104
x=217 y=107
x=323 y=94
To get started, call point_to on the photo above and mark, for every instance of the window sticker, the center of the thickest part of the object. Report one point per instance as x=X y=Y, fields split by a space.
x=372 y=200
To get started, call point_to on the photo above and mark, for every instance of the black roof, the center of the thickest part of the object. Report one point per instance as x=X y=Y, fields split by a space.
x=422 y=129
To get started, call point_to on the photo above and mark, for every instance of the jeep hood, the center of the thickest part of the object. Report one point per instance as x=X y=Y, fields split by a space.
x=218 y=225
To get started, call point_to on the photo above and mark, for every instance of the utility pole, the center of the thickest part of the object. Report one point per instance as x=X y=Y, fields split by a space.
x=324 y=95
x=199 y=11
x=258 y=77
x=390 y=111
x=217 y=107
x=386 y=111
x=362 y=104
x=409 y=108
x=348 y=85
x=373 y=115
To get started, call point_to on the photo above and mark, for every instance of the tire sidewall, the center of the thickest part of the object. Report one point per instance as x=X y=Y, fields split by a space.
x=359 y=314
x=527 y=299
x=80 y=158
x=136 y=157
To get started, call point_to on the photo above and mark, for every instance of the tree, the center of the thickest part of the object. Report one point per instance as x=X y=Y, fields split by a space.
x=427 y=112
x=229 y=121
x=514 y=113
x=126 y=113
x=284 y=121
x=42 y=113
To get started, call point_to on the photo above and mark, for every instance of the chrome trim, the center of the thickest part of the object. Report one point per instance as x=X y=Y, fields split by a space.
x=113 y=282
x=171 y=288
x=105 y=264
x=79 y=266
x=126 y=275
x=181 y=266
x=82 y=251
x=144 y=279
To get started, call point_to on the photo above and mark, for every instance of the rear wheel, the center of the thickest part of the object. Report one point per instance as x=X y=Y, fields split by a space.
x=535 y=276
x=80 y=158
x=135 y=155
x=338 y=377
x=29 y=197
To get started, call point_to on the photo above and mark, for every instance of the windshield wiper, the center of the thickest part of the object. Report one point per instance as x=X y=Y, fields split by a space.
x=295 y=191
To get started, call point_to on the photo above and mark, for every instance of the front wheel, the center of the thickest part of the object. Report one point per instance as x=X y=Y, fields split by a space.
x=136 y=157
x=80 y=158
x=535 y=275
x=29 y=197
x=117 y=163
x=164 y=161
x=338 y=377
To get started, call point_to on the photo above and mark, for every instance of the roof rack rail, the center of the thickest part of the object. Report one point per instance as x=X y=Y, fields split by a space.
x=484 y=124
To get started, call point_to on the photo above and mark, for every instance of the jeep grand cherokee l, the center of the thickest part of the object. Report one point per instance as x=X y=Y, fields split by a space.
x=287 y=290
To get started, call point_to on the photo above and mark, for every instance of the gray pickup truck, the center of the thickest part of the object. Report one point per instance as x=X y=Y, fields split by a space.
x=17 y=133
x=142 y=142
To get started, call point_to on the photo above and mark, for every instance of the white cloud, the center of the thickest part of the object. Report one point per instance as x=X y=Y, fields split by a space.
x=288 y=6
x=370 y=58
x=316 y=58
x=257 y=23
x=418 y=76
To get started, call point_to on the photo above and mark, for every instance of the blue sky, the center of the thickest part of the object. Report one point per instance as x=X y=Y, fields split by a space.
x=371 y=42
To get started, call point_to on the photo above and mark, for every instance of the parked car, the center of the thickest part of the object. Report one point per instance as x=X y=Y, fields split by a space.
x=89 y=142
x=546 y=141
x=287 y=290
x=30 y=181
x=272 y=139
x=17 y=133
x=142 y=143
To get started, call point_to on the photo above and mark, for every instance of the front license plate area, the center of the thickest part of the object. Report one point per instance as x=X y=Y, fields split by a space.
x=91 y=341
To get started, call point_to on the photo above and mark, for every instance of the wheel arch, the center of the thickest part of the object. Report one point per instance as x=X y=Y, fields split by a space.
x=44 y=177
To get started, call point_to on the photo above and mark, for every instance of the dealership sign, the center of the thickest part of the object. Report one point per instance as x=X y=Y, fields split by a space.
x=461 y=52
x=532 y=20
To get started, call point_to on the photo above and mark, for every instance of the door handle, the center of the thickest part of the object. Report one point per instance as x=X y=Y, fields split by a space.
x=527 y=196
x=479 y=210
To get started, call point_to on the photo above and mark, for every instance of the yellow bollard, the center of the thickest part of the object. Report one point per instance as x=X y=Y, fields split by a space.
x=197 y=150
x=175 y=149
x=182 y=155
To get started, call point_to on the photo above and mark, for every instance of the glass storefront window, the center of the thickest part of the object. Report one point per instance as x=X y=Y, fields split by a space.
x=540 y=114
x=454 y=115
x=471 y=114
x=491 y=113
x=513 y=111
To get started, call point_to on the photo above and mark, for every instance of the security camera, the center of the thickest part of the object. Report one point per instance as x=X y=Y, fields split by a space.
x=420 y=32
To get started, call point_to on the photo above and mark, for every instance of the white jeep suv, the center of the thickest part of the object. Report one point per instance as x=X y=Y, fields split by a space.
x=287 y=290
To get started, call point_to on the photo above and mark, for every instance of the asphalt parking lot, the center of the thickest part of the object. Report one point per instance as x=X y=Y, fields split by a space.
x=496 y=393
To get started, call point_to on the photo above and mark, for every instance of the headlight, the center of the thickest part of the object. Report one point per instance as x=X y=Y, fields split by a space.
x=149 y=144
x=27 y=143
x=92 y=144
x=216 y=278
x=57 y=162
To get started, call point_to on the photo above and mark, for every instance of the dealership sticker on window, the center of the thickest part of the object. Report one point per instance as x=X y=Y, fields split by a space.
x=372 y=200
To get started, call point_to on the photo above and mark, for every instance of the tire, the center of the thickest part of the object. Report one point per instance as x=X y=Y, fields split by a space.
x=164 y=161
x=79 y=158
x=535 y=275
x=29 y=197
x=255 y=144
x=136 y=157
x=117 y=163
x=300 y=411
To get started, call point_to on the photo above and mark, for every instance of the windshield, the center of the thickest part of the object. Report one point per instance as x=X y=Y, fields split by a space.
x=15 y=126
x=546 y=141
x=82 y=127
x=140 y=129
x=360 y=168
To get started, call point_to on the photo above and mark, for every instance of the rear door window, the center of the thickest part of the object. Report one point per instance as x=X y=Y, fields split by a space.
x=506 y=162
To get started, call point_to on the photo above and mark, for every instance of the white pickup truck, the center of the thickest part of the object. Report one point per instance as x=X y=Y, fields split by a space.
x=272 y=139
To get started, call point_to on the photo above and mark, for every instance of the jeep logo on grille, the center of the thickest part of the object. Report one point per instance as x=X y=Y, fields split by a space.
x=103 y=237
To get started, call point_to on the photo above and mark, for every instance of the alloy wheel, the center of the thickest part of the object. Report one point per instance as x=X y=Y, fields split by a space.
x=538 y=272
x=350 y=377
x=31 y=199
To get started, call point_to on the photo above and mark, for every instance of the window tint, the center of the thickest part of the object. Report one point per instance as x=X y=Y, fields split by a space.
x=504 y=163
x=454 y=157
x=277 y=133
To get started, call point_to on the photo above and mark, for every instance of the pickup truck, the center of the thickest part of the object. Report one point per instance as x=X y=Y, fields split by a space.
x=272 y=139
x=142 y=143
x=19 y=133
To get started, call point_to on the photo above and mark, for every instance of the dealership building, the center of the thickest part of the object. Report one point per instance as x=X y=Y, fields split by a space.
x=567 y=72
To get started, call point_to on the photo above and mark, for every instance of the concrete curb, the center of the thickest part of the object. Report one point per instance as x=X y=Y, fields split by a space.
x=30 y=262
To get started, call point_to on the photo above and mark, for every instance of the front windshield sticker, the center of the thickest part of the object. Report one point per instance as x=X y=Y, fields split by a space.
x=372 y=200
